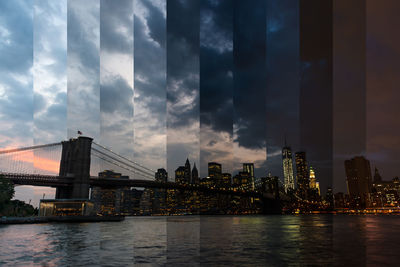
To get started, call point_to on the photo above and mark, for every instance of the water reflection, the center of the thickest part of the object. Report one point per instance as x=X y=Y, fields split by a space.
x=321 y=240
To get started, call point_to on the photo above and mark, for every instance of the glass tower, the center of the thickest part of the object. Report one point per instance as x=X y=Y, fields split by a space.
x=287 y=163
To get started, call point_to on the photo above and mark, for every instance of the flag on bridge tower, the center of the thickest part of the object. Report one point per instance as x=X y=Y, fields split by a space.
x=79 y=132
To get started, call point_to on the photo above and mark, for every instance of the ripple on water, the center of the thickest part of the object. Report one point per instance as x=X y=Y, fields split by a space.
x=207 y=240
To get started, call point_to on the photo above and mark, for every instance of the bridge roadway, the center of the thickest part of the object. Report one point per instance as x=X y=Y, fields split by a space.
x=57 y=181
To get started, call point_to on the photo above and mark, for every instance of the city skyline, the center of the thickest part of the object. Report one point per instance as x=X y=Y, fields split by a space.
x=46 y=97
x=199 y=132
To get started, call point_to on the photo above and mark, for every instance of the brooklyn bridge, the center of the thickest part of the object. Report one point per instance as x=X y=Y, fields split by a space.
x=78 y=157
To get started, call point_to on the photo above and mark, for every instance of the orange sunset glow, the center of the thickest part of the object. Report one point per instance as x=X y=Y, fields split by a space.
x=40 y=163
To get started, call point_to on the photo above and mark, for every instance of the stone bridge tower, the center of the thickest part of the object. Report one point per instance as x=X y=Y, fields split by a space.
x=75 y=164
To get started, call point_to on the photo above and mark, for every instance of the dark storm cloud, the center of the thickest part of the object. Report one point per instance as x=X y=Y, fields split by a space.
x=182 y=62
x=216 y=107
x=155 y=22
x=115 y=18
x=216 y=65
x=116 y=96
x=250 y=73
x=150 y=81
x=216 y=25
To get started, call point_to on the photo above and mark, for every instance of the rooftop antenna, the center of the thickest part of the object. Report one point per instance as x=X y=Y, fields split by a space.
x=285 y=141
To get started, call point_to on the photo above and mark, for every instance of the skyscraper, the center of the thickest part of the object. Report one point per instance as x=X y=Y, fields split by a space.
x=303 y=181
x=188 y=173
x=214 y=170
x=249 y=168
x=287 y=163
x=180 y=175
x=215 y=173
x=313 y=180
x=226 y=179
x=359 y=180
x=195 y=175
x=377 y=176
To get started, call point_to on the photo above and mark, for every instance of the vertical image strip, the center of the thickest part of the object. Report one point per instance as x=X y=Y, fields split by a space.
x=283 y=90
x=216 y=122
x=216 y=85
x=314 y=161
x=349 y=117
x=150 y=142
x=116 y=77
x=183 y=125
x=50 y=87
x=249 y=88
x=16 y=89
x=382 y=125
x=83 y=68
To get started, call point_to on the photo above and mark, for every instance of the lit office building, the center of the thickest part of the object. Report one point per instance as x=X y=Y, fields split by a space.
x=318 y=188
x=180 y=175
x=214 y=170
x=226 y=179
x=287 y=163
x=249 y=168
x=313 y=181
x=108 y=201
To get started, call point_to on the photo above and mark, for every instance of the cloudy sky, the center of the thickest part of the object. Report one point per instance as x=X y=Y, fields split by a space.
x=213 y=80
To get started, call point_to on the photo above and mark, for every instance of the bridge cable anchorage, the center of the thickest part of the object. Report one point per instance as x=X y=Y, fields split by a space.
x=6 y=151
x=130 y=160
x=123 y=167
x=132 y=166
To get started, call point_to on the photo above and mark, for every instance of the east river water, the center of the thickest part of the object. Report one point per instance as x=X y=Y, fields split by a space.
x=304 y=240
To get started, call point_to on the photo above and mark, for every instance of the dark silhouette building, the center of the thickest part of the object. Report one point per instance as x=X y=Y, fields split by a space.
x=303 y=180
x=359 y=180
x=188 y=173
x=195 y=175
x=377 y=176
x=161 y=175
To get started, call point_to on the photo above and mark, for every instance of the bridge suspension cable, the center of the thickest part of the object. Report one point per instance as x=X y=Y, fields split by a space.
x=125 y=158
x=121 y=164
x=6 y=151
